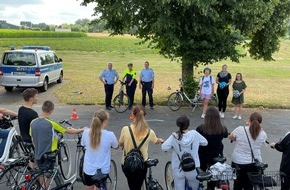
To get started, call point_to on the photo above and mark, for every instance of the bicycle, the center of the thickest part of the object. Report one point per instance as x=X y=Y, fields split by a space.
x=201 y=177
x=150 y=183
x=121 y=102
x=176 y=99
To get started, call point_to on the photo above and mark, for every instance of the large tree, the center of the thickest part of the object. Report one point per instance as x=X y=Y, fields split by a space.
x=200 y=31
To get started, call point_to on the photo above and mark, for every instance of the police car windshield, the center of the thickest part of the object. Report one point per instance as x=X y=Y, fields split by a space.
x=19 y=59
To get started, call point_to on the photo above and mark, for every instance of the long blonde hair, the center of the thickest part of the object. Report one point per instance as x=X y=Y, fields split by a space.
x=96 y=128
x=141 y=126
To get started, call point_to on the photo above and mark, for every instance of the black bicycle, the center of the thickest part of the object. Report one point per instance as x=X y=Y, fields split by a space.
x=151 y=184
x=122 y=101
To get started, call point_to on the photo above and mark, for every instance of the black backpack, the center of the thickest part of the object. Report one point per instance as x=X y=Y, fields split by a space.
x=134 y=161
x=186 y=160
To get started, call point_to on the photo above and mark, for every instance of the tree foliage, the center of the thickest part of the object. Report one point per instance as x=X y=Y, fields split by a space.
x=200 y=31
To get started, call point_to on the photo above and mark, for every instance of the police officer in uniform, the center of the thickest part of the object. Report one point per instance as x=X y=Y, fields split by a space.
x=147 y=82
x=131 y=83
x=109 y=77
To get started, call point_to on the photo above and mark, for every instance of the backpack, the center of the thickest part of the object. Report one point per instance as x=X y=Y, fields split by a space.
x=134 y=161
x=186 y=160
x=210 y=78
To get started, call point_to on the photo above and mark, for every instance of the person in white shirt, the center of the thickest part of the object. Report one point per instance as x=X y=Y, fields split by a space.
x=187 y=141
x=98 y=143
x=206 y=85
x=242 y=156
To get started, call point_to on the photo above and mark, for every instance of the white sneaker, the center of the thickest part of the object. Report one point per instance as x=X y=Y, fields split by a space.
x=222 y=115
x=202 y=116
x=239 y=117
x=235 y=117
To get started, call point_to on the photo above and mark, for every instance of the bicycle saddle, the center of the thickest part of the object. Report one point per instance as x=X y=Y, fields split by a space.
x=99 y=176
x=203 y=176
x=151 y=162
x=261 y=165
x=219 y=159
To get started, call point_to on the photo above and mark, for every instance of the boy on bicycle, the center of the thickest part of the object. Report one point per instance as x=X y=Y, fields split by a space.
x=43 y=134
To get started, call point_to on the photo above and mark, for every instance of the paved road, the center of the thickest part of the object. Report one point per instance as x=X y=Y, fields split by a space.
x=162 y=121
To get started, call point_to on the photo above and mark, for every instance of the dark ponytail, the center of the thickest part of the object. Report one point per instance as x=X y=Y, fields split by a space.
x=255 y=127
x=183 y=123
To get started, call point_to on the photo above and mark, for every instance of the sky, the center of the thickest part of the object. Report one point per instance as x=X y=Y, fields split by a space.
x=45 y=11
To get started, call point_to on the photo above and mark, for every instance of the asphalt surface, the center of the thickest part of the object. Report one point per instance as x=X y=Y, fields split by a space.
x=162 y=121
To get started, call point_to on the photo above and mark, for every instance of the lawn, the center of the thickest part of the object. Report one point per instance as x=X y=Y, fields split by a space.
x=86 y=57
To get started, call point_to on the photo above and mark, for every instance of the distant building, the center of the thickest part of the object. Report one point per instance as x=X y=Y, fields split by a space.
x=5 y=25
x=26 y=23
x=62 y=29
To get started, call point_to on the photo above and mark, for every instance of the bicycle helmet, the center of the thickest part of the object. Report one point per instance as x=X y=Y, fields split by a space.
x=236 y=94
x=222 y=85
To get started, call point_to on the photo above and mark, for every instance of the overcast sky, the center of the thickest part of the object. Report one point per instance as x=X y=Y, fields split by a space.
x=44 y=11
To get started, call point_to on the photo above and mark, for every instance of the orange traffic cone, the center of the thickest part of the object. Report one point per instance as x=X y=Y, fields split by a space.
x=74 y=115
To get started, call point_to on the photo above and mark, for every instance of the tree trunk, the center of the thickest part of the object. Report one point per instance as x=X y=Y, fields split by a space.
x=187 y=69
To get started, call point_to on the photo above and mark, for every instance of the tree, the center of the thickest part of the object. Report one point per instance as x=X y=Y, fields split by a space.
x=200 y=31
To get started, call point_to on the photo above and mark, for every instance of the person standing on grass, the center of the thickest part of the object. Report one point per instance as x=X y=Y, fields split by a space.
x=147 y=82
x=284 y=146
x=131 y=83
x=206 y=85
x=109 y=77
x=223 y=79
x=239 y=88
x=26 y=114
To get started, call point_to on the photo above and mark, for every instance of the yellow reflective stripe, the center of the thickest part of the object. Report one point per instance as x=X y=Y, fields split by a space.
x=54 y=144
x=57 y=126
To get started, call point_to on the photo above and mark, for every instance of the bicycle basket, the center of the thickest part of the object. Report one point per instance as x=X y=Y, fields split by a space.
x=268 y=179
x=222 y=172
x=154 y=185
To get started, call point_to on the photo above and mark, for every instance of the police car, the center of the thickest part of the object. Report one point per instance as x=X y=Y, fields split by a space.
x=31 y=66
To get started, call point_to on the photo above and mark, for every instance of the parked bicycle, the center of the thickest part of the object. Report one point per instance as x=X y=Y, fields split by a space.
x=176 y=99
x=151 y=183
x=121 y=102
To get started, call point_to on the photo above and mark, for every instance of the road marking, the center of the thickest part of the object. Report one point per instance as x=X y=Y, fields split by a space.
x=157 y=120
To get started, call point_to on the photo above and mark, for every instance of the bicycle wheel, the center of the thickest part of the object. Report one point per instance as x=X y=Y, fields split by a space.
x=44 y=181
x=64 y=160
x=13 y=175
x=15 y=150
x=174 y=101
x=121 y=102
x=168 y=176
x=111 y=182
x=80 y=167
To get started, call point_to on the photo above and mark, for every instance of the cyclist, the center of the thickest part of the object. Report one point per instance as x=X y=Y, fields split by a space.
x=42 y=131
x=214 y=132
x=4 y=132
x=206 y=85
x=98 y=142
x=26 y=114
x=140 y=130
x=242 y=157
x=189 y=140
x=284 y=147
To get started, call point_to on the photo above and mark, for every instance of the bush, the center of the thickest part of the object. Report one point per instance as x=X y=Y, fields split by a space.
x=190 y=86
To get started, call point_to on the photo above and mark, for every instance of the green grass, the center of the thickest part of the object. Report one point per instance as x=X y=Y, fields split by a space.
x=85 y=58
x=7 y=33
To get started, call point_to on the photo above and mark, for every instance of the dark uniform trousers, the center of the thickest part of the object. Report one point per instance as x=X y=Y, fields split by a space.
x=131 y=93
x=109 y=90
x=147 y=87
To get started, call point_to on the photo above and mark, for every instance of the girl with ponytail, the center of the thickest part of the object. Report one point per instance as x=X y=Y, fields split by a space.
x=242 y=156
x=98 y=142
x=184 y=140
x=140 y=130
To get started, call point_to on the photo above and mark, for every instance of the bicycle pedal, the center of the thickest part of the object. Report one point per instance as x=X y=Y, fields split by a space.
x=79 y=179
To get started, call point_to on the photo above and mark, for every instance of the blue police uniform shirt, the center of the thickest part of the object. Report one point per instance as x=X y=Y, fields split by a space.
x=147 y=75
x=109 y=75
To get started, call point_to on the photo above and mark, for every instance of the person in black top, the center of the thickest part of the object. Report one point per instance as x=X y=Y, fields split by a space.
x=26 y=114
x=223 y=79
x=214 y=132
x=131 y=83
x=284 y=147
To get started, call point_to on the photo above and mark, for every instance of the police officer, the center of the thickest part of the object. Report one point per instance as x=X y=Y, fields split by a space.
x=131 y=83
x=147 y=82
x=109 y=77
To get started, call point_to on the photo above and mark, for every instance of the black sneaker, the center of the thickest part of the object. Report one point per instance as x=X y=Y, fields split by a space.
x=151 y=108
x=111 y=106
x=108 y=108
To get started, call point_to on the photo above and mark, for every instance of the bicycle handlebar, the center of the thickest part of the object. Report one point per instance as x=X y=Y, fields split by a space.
x=122 y=83
x=65 y=122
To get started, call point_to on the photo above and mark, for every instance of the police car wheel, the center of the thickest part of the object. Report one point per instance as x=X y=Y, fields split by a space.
x=8 y=88
x=45 y=86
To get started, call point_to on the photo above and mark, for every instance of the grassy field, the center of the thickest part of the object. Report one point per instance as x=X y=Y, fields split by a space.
x=85 y=58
